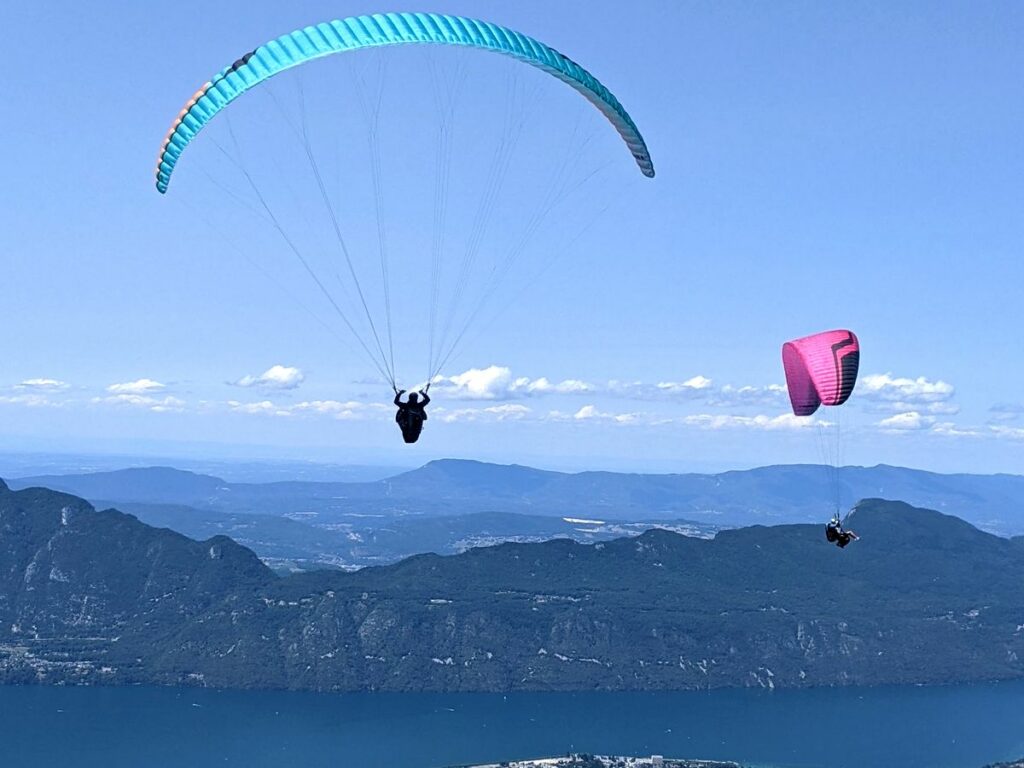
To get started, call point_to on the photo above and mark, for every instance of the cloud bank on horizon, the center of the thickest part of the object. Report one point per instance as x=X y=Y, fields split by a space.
x=495 y=396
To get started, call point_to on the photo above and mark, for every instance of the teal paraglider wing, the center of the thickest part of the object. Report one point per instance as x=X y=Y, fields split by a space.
x=381 y=30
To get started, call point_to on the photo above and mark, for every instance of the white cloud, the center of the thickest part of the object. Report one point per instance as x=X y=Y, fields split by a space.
x=949 y=429
x=345 y=411
x=31 y=401
x=693 y=388
x=691 y=385
x=542 y=385
x=166 y=404
x=630 y=390
x=263 y=407
x=1010 y=433
x=730 y=396
x=883 y=386
x=901 y=406
x=1006 y=411
x=519 y=412
x=176 y=406
x=591 y=413
x=785 y=421
x=497 y=383
x=490 y=383
x=503 y=412
x=275 y=377
x=137 y=387
x=329 y=407
x=945 y=409
x=916 y=421
x=43 y=385
x=508 y=411
x=698 y=388
x=906 y=422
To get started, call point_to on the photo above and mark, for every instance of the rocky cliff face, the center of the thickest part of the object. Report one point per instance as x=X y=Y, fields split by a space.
x=81 y=590
x=97 y=596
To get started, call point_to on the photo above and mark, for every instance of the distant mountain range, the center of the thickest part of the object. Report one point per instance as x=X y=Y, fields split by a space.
x=27 y=463
x=89 y=596
x=776 y=494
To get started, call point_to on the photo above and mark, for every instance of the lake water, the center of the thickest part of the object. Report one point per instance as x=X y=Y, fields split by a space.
x=944 y=727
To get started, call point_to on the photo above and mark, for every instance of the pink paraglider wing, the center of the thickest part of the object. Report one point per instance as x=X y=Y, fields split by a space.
x=820 y=369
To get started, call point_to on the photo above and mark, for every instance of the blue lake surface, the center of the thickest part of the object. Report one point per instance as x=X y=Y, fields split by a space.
x=896 y=727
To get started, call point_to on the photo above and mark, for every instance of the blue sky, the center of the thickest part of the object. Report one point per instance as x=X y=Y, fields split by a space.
x=818 y=166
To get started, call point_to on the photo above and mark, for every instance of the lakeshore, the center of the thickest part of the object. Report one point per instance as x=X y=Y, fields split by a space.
x=605 y=761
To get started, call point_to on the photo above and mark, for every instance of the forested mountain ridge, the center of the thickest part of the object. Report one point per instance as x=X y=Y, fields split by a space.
x=924 y=597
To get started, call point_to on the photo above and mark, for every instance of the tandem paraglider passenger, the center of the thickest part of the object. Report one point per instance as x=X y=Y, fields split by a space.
x=838 y=535
x=411 y=414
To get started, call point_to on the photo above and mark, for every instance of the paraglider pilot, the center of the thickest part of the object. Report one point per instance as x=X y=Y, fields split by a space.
x=411 y=414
